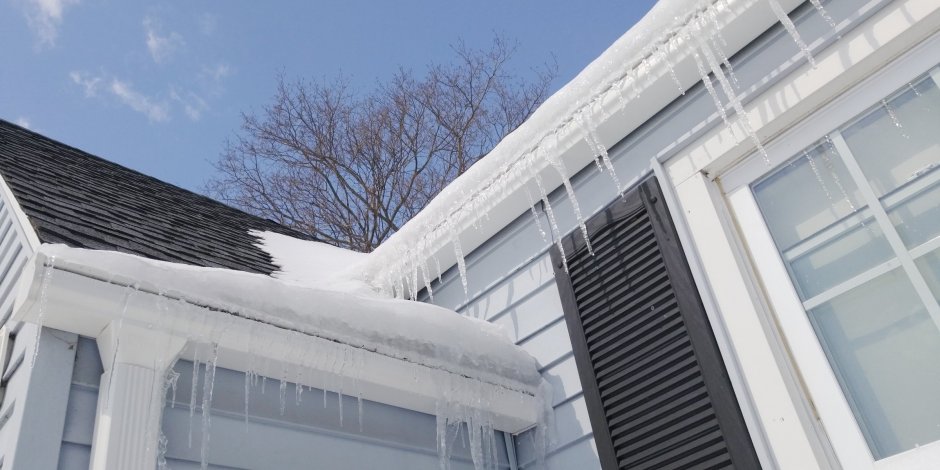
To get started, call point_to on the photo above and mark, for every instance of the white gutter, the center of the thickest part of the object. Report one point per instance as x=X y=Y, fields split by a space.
x=603 y=92
x=85 y=300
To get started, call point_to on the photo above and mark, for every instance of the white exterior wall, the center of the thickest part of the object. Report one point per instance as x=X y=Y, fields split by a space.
x=511 y=280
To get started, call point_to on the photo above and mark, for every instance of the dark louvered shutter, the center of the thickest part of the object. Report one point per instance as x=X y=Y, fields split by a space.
x=657 y=391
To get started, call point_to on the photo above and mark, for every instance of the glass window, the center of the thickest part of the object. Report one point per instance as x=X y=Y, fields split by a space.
x=856 y=219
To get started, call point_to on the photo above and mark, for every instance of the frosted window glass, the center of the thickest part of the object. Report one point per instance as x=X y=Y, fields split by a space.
x=917 y=219
x=929 y=266
x=884 y=349
x=897 y=141
x=815 y=215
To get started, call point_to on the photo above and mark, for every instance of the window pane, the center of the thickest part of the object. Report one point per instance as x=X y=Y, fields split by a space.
x=929 y=266
x=917 y=217
x=815 y=214
x=884 y=349
x=897 y=141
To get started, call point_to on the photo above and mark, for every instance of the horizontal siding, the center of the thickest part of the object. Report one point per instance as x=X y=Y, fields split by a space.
x=510 y=276
x=82 y=405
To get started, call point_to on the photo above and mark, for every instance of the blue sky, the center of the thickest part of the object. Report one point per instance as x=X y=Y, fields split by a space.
x=159 y=87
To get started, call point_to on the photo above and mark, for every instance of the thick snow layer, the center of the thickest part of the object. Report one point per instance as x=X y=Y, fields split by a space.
x=411 y=331
x=315 y=264
x=622 y=70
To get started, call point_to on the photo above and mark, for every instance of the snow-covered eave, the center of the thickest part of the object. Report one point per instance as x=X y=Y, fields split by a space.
x=614 y=95
x=85 y=298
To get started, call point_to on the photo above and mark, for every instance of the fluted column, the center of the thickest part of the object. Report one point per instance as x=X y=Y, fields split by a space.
x=127 y=425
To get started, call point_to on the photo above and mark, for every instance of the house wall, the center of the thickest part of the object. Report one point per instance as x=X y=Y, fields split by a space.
x=511 y=282
x=34 y=386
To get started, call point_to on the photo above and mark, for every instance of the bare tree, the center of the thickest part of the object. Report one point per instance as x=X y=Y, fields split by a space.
x=352 y=169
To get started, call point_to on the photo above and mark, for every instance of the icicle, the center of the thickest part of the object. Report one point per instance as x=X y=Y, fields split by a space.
x=247 y=394
x=724 y=60
x=361 y=363
x=339 y=390
x=282 y=395
x=535 y=214
x=426 y=275
x=817 y=4
x=822 y=183
x=791 y=29
x=733 y=98
x=171 y=379
x=563 y=172
x=590 y=131
x=589 y=140
x=672 y=71
x=412 y=258
x=43 y=300
x=161 y=452
x=192 y=394
x=440 y=272
x=831 y=149
x=894 y=118
x=208 y=386
x=458 y=252
x=707 y=81
x=556 y=233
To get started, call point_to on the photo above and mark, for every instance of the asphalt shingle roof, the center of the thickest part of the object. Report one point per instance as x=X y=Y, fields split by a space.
x=83 y=201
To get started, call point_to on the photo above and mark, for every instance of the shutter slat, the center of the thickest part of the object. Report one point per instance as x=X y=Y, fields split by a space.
x=643 y=370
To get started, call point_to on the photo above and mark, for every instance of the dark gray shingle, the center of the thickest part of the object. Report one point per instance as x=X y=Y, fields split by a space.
x=83 y=201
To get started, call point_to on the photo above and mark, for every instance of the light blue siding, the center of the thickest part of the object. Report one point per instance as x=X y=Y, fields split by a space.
x=510 y=276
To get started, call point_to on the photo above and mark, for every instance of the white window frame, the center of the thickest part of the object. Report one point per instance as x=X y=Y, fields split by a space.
x=818 y=377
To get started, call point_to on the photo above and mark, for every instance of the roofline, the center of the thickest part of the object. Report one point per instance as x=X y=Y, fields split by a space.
x=79 y=299
x=553 y=129
x=19 y=215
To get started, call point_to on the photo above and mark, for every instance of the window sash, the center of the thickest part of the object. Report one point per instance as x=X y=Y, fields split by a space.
x=824 y=389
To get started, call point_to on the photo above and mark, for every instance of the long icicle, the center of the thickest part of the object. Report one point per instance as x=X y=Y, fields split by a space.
x=817 y=4
x=556 y=234
x=726 y=87
x=461 y=262
x=208 y=386
x=43 y=300
x=590 y=131
x=791 y=29
x=559 y=166
x=535 y=214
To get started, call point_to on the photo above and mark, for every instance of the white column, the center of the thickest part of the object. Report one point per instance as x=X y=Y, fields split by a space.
x=130 y=400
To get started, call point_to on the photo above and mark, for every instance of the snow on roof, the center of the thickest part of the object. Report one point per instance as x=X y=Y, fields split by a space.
x=311 y=263
x=637 y=76
x=521 y=154
x=411 y=331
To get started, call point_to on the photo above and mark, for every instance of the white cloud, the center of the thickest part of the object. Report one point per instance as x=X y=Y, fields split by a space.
x=193 y=104
x=86 y=81
x=161 y=47
x=22 y=122
x=211 y=78
x=45 y=17
x=156 y=111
